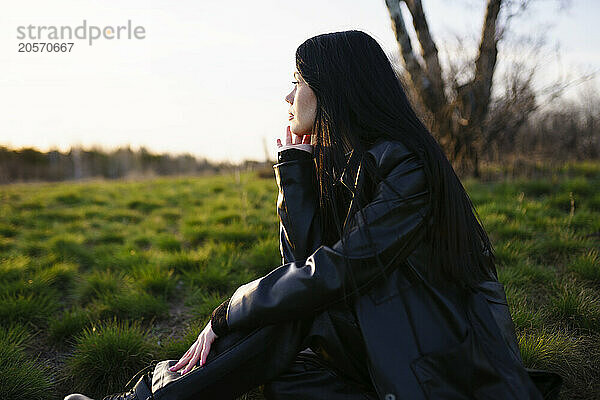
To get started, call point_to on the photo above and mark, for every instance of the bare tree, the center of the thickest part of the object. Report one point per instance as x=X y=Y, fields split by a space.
x=458 y=109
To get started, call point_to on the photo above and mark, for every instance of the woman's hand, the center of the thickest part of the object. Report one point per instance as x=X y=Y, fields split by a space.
x=302 y=139
x=198 y=350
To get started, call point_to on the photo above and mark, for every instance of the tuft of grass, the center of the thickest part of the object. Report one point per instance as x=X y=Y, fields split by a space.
x=60 y=275
x=21 y=377
x=594 y=202
x=167 y=242
x=180 y=261
x=101 y=283
x=144 y=206
x=222 y=233
x=510 y=253
x=170 y=214
x=584 y=222
x=131 y=304
x=226 y=217
x=123 y=216
x=65 y=326
x=263 y=256
x=6 y=244
x=117 y=257
x=106 y=237
x=13 y=268
x=211 y=277
x=30 y=308
x=142 y=241
x=7 y=230
x=203 y=303
x=547 y=349
x=70 y=248
x=554 y=247
x=579 y=186
x=154 y=279
x=587 y=265
x=524 y=312
x=106 y=356
x=537 y=188
x=524 y=273
x=576 y=306
x=69 y=199
x=15 y=335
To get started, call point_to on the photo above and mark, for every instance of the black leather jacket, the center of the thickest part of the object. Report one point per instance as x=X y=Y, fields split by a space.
x=423 y=341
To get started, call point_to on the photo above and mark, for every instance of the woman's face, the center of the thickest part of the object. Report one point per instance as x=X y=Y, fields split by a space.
x=303 y=108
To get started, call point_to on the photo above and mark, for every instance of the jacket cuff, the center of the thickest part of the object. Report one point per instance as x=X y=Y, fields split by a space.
x=290 y=154
x=218 y=319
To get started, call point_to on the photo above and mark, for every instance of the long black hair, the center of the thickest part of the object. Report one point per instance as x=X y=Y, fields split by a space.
x=360 y=100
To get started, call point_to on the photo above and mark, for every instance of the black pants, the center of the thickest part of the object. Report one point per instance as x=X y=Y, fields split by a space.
x=314 y=358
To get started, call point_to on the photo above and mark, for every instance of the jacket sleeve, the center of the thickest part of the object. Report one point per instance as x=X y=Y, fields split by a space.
x=394 y=219
x=297 y=205
x=297 y=209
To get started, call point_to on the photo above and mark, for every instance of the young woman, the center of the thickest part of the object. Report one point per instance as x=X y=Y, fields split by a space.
x=388 y=287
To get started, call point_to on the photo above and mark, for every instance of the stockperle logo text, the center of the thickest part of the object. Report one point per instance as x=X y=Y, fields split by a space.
x=90 y=33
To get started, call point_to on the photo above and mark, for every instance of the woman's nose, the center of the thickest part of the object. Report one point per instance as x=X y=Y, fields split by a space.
x=290 y=97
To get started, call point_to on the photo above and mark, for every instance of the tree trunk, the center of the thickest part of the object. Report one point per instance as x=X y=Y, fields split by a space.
x=457 y=124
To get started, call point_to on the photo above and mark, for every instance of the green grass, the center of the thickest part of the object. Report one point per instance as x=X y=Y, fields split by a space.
x=99 y=278
x=21 y=375
x=106 y=356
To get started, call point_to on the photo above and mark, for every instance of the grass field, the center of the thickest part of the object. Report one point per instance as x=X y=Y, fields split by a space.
x=99 y=278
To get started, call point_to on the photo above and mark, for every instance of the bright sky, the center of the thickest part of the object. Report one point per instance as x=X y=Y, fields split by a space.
x=210 y=77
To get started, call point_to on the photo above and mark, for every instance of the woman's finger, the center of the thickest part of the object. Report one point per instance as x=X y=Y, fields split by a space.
x=204 y=353
x=186 y=356
x=279 y=143
x=183 y=360
x=306 y=139
x=195 y=357
x=288 y=136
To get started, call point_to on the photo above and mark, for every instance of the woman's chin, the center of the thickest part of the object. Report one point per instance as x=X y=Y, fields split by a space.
x=298 y=131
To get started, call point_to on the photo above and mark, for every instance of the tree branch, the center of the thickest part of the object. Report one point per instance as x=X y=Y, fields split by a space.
x=486 y=59
x=410 y=60
x=430 y=51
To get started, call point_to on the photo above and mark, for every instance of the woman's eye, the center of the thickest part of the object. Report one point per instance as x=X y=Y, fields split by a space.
x=294 y=82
